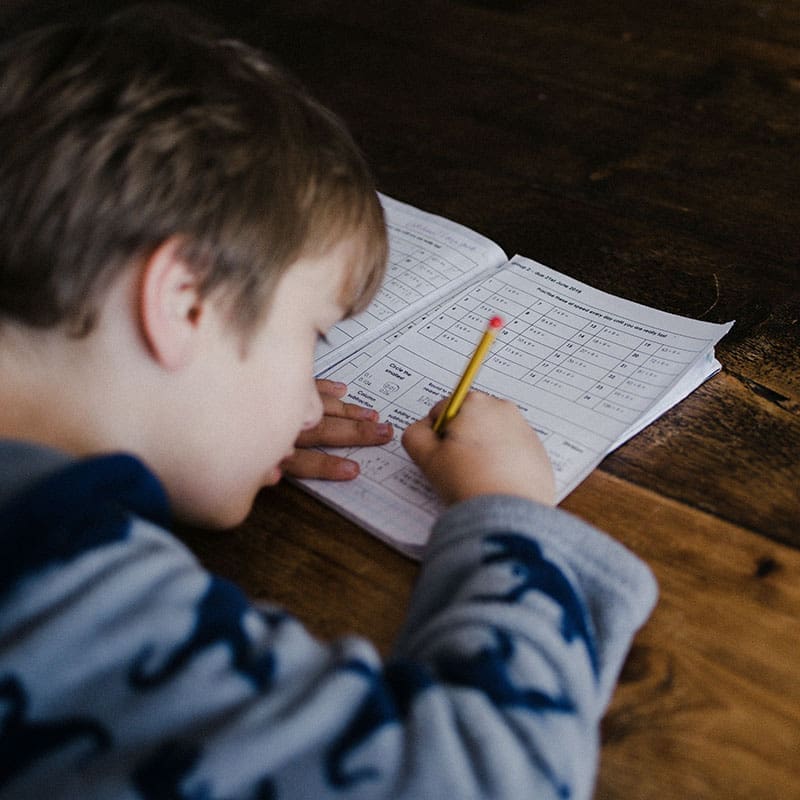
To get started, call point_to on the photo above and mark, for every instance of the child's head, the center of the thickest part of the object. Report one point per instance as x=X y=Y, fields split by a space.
x=118 y=136
x=136 y=143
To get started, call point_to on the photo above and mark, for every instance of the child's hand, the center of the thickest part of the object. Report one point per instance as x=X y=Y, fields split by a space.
x=342 y=425
x=488 y=448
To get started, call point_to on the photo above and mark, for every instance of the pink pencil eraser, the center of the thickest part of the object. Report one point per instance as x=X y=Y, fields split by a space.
x=496 y=322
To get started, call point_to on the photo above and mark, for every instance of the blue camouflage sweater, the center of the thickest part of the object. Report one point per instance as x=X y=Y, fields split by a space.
x=128 y=671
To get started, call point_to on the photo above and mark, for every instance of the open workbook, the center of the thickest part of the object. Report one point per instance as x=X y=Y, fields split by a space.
x=587 y=369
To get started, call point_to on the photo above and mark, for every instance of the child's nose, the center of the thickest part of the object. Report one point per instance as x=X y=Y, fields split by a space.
x=314 y=412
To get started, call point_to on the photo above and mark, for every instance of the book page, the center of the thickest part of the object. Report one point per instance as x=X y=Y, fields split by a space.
x=586 y=369
x=429 y=257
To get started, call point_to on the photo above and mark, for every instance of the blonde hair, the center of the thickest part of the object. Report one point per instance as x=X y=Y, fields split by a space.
x=119 y=135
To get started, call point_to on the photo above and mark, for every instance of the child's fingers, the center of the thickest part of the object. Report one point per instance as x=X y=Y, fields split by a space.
x=439 y=408
x=315 y=464
x=419 y=440
x=332 y=388
x=434 y=413
x=331 y=393
x=339 y=431
x=334 y=407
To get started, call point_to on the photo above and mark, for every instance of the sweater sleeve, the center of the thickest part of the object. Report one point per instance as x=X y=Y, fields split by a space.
x=602 y=589
x=135 y=674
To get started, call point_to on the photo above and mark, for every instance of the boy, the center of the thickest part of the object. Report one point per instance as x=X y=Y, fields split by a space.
x=179 y=222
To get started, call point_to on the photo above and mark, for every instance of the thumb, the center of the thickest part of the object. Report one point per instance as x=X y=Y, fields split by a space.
x=419 y=439
x=436 y=411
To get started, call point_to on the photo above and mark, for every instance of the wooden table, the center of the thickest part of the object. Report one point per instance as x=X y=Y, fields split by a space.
x=653 y=150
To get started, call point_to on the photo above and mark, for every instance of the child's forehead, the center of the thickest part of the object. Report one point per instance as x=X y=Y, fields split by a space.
x=346 y=270
x=363 y=267
x=330 y=276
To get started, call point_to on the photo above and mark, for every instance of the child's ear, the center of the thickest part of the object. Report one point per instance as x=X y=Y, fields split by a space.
x=171 y=307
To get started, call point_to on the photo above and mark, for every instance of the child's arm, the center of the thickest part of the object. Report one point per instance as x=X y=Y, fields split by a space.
x=489 y=463
x=174 y=685
x=518 y=627
x=343 y=425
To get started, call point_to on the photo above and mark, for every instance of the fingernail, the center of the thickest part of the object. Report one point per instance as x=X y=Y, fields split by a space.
x=384 y=429
x=349 y=469
x=369 y=413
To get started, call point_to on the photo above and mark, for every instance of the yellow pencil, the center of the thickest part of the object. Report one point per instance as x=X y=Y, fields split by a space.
x=460 y=392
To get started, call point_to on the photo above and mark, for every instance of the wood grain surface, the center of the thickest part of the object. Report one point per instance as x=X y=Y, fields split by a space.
x=652 y=150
